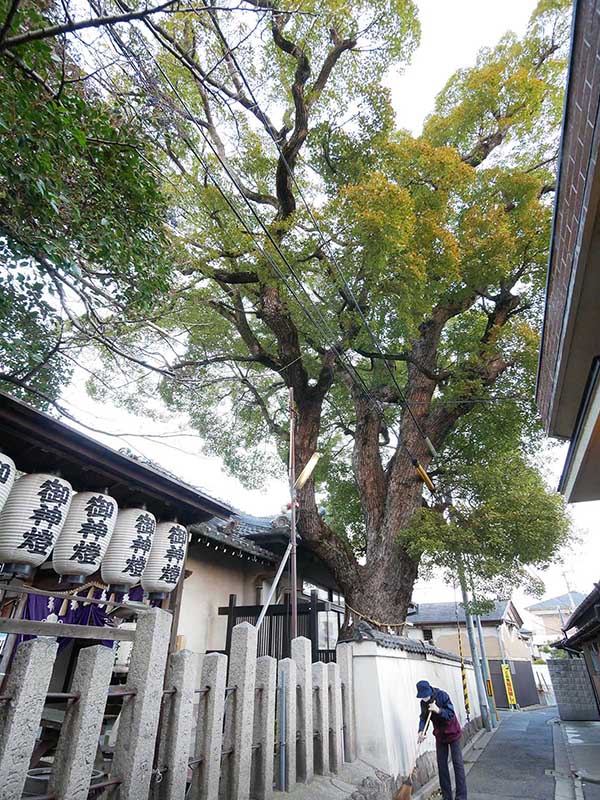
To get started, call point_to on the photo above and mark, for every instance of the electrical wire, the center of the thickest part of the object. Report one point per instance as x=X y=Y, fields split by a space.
x=342 y=358
x=290 y=172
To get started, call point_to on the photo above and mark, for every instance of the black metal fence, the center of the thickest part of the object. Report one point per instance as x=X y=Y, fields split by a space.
x=274 y=636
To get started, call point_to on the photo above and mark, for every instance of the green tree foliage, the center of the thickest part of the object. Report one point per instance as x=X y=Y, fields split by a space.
x=82 y=215
x=499 y=520
x=283 y=164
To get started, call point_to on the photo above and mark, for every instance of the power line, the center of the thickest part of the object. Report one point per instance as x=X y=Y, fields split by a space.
x=348 y=366
x=315 y=222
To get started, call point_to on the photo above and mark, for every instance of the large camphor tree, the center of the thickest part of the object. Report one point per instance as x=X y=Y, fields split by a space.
x=393 y=281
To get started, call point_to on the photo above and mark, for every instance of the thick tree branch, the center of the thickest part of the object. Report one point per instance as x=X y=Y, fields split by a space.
x=31 y=73
x=277 y=317
x=70 y=27
x=340 y=47
x=433 y=375
x=14 y=6
x=255 y=348
x=259 y=402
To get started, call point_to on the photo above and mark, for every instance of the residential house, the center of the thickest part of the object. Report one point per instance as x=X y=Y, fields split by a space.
x=551 y=615
x=568 y=387
x=506 y=641
x=583 y=638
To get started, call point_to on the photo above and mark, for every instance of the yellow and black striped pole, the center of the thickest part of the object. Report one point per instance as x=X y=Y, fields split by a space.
x=463 y=671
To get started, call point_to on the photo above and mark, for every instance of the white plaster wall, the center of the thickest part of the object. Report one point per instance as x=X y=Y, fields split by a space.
x=387 y=710
x=212 y=580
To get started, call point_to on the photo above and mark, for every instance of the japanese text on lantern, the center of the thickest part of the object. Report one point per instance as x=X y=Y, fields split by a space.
x=53 y=495
x=175 y=555
x=140 y=545
x=94 y=528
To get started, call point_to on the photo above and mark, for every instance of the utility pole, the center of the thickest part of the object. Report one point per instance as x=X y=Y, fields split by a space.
x=486 y=672
x=481 y=693
x=571 y=601
x=293 y=561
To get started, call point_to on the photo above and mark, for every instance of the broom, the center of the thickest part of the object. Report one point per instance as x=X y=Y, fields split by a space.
x=405 y=791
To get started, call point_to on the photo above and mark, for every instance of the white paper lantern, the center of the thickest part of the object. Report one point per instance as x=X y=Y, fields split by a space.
x=127 y=553
x=166 y=560
x=31 y=520
x=85 y=536
x=7 y=477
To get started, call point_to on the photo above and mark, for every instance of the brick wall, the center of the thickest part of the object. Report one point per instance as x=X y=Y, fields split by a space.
x=578 y=162
x=574 y=694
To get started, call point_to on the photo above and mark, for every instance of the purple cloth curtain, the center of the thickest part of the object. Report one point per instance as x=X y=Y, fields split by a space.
x=38 y=608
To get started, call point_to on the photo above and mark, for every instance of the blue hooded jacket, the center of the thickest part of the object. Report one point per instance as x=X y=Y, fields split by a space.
x=446 y=727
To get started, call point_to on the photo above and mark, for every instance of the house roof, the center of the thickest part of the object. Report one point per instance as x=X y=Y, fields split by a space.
x=38 y=442
x=584 y=611
x=231 y=538
x=563 y=601
x=445 y=613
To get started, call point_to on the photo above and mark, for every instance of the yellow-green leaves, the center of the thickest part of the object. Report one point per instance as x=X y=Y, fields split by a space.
x=381 y=213
x=491 y=104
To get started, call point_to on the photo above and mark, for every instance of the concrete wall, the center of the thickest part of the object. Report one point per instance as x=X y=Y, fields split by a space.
x=387 y=710
x=446 y=638
x=574 y=694
x=214 y=577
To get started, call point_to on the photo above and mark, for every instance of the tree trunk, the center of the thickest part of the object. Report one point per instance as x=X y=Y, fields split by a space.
x=382 y=594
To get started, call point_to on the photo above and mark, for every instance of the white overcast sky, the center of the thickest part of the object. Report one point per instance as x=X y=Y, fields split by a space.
x=452 y=33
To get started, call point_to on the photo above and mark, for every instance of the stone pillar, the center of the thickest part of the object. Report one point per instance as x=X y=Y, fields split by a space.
x=209 y=730
x=335 y=718
x=302 y=655
x=27 y=685
x=321 y=717
x=78 y=740
x=264 y=727
x=239 y=713
x=287 y=667
x=138 y=723
x=344 y=661
x=176 y=730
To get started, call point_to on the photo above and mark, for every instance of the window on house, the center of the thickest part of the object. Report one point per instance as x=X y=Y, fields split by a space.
x=428 y=634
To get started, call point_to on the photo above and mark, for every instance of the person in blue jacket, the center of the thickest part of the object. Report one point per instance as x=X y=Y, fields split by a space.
x=447 y=732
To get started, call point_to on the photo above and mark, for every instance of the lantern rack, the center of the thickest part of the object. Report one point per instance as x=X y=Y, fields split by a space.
x=20 y=588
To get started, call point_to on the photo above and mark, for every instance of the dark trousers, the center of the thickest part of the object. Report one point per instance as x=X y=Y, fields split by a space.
x=444 y=771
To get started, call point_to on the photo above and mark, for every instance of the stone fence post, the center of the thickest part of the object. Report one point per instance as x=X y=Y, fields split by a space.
x=176 y=731
x=78 y=741
x=138 y=723
x=239 y=714
x=20 y=716
x=344 y=660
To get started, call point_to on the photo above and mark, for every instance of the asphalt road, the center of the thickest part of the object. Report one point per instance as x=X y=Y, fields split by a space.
x=513 y=765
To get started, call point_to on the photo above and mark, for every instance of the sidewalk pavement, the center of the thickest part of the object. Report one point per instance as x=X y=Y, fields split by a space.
x=582 y=744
